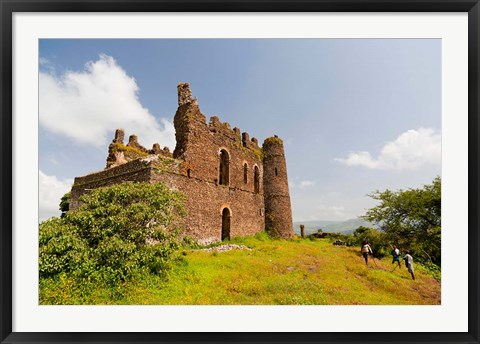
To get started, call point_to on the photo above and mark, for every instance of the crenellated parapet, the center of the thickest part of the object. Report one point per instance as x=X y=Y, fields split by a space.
x=250 y=143
x=223 y=130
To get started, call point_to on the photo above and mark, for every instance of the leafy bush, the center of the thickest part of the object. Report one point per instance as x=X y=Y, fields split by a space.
x=411 y=219
x=64 y=204
x=190 y=243
x=61 y=248
x=431 y=269
x=115 y=233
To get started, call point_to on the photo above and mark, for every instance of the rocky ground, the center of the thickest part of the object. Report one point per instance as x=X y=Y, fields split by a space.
x=226 y=247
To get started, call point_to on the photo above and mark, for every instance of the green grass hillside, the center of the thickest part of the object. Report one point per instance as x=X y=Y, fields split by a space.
x=300 y=271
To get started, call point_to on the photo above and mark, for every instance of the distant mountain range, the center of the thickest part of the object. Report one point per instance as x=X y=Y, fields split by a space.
x=345 y=227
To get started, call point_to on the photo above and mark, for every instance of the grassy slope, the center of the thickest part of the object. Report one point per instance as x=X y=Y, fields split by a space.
x=274 y=272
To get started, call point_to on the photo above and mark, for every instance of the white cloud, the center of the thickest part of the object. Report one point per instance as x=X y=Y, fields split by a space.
x=306 y=183
x=89 y=105
x=301 y=185
x=50 y=191
x=411 y=150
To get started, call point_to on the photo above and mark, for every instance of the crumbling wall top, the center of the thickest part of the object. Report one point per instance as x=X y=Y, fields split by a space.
x=119 y=153
x=184 y=93
x=119 y=136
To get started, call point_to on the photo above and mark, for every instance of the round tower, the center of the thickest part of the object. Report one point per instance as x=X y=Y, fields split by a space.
x=278 y=211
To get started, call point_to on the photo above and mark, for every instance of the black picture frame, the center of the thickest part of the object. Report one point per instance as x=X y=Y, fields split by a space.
x=9 y=7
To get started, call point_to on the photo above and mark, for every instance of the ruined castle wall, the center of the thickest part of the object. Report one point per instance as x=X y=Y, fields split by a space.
x=200 y=145
x=205 y=202
x=199 y=178
x=134 y=171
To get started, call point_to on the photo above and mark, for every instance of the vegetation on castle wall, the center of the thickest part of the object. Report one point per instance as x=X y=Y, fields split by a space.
x=164 y=163
x=116 y=233
x=273 y=140
x=192 y=113
x=128 y=151
x=257 y=152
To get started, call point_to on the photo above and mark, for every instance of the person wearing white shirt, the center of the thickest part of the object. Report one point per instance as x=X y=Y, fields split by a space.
x=366 y=250
x=409 y=264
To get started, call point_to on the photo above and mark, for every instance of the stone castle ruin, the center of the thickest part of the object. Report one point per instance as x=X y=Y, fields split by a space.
x=233 y=186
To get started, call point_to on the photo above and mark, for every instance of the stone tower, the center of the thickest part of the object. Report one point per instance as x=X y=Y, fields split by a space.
x=187 y=118
x=278 y=211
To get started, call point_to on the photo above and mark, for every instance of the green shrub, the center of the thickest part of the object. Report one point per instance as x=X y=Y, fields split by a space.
x=64 y=204
x=430 y=268
x=117 y=232
x=190 y=243
x=61 y=248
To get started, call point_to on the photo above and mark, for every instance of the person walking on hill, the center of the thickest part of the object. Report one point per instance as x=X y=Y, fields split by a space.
x=395 y=252
x=366 y=250
x=409 y=263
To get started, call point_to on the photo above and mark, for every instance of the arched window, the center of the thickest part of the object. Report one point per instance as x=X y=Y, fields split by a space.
x=224 y=173
x=245 y=173
x=256 y=180
x=276 y=172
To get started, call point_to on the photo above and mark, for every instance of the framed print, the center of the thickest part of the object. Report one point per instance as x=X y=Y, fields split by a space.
x=145 y=194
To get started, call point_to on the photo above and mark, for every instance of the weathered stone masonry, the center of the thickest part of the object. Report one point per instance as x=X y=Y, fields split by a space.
x=233 y=186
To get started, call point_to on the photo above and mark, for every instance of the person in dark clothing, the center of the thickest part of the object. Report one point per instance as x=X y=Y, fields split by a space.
x=395 y=252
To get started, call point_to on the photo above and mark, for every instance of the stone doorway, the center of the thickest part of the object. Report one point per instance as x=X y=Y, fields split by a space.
x=225 y=224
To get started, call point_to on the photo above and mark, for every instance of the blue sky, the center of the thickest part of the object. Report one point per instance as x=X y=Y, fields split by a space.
x=356 y=115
